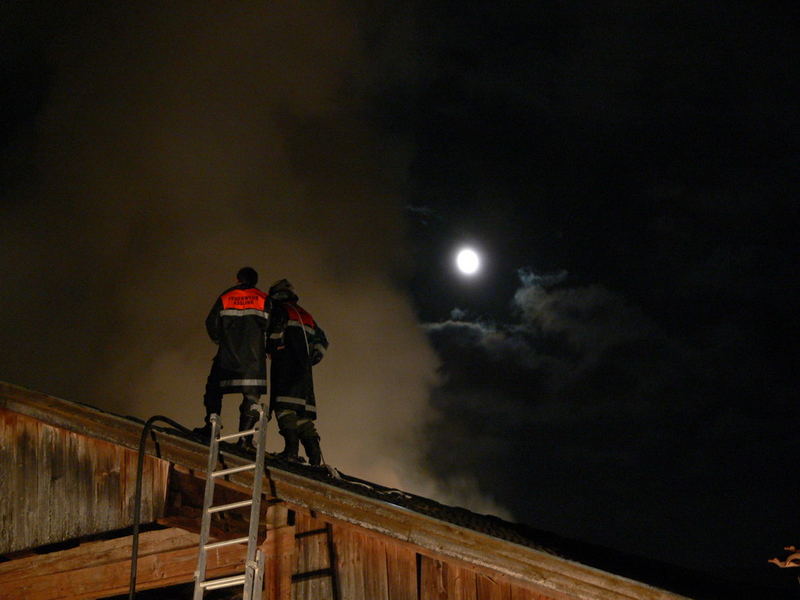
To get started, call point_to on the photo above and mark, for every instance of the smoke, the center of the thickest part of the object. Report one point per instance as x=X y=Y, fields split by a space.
x=177 y=144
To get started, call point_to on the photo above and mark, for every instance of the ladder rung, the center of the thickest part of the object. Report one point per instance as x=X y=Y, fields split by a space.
x=303 y=534
x=226 y=543
x=297 y=577
x=230 y=506
x=223 y=582
x=238 y=434
x=224 y=472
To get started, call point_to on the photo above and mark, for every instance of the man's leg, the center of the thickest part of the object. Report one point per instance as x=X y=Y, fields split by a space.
x=212 y=400
x=310 y=440
x=287 y=426
x=248 y=417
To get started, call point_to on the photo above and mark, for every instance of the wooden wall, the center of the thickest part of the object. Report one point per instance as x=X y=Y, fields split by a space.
x=67 y=472
x=370 y=567
x=56 y=485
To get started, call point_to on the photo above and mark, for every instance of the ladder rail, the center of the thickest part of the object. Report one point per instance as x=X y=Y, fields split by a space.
x=252 y=578
x=208 y=498
x=254 y=570
x=258 y=578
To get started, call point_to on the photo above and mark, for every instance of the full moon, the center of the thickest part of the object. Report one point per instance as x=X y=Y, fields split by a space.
x=468 y=261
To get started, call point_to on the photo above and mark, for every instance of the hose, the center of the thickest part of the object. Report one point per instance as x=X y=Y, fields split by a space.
x=137 y=502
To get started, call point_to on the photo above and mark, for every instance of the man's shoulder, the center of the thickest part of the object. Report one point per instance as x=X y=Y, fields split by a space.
x=229 y=290
x=244 y=289
x=305 y=316
x=244 y=297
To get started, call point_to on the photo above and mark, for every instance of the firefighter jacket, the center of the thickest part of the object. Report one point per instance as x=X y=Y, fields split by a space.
x=296 y=343
x=238 y=323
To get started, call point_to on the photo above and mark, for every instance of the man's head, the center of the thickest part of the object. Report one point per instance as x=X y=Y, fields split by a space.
x=282 y=290
x=247 y=276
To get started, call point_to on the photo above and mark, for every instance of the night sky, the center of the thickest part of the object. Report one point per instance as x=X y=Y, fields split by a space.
x=622 y=371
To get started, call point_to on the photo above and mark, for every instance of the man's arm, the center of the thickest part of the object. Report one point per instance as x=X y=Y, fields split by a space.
x=214 y=322
x=318 y=345
x=277 y=325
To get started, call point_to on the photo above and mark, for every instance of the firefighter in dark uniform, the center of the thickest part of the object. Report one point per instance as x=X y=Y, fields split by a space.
x=296 y=344
x=238 y=324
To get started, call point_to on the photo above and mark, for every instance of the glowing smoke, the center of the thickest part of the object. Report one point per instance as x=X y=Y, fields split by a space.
x=177 y=145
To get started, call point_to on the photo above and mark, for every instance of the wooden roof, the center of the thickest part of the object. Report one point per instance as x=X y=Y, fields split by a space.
x=561 y=568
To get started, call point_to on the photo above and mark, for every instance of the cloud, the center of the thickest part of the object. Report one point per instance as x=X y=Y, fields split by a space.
x=580 y=414
x=579 y=396
x=178 y=144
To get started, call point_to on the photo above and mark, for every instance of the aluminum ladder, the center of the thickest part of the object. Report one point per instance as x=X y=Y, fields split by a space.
x=252 y=577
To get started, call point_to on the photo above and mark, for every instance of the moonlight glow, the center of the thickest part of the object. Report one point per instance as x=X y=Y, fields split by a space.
x=468 y=261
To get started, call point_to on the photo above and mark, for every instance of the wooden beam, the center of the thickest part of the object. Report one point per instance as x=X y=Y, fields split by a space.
x=96 y=553
x=100 y=569
x=279 y=548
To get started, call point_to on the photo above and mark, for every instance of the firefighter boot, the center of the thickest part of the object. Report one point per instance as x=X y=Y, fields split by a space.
x=313 y=451
x=247 y=421
x=291 y=446
x=204 y=432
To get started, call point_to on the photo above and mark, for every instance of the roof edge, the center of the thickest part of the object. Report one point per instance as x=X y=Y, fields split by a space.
x=545 y=571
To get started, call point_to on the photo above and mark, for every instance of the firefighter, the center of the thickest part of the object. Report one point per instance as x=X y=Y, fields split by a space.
x=296 y=344
x=238 y=324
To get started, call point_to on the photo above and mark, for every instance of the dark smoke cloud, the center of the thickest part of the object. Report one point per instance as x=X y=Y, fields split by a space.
x=580 y=414
x=177 y=144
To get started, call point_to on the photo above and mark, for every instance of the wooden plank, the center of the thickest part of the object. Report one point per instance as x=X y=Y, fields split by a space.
x=112 y=578
x=350 y=563
x=88 y=421
x=278 y=566
x=401 y=567
x=311 y=555
x=277 y=513
x=96 y=554
x=433 y=579
x=376 y=584
x=492 y=589
x=461 y=583
x=302 y=525
x=61 y=485
x=520 y=593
